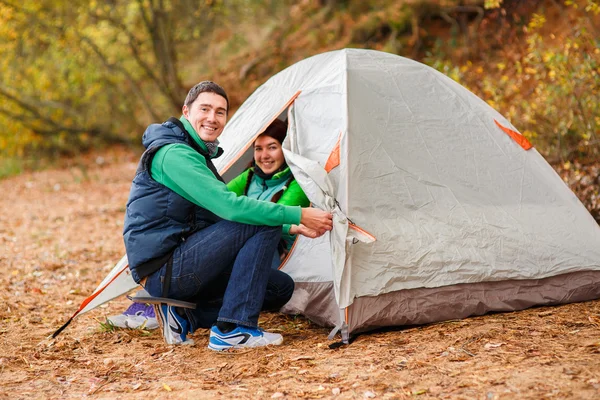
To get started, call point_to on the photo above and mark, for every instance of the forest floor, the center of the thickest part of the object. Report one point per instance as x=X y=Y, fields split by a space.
x=60 y=233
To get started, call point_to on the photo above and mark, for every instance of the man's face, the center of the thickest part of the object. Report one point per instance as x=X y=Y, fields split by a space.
x=208 y=115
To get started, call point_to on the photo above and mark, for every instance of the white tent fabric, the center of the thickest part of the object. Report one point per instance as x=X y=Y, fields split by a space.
x=439 y=213
x=450 y=197
x=120 y=281
x=117 y=283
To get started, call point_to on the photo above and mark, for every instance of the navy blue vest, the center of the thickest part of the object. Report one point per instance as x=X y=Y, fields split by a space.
x=157 y=219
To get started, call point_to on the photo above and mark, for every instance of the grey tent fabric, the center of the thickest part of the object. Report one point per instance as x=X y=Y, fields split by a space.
x=430 y=193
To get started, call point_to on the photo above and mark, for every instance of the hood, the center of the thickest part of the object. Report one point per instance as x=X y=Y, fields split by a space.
x=161 y=134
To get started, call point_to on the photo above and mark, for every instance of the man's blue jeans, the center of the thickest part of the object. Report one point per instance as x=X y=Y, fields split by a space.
x=239 y=254
x=280 y=288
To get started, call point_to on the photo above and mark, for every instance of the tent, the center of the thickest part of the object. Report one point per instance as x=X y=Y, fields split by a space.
x=442 y=209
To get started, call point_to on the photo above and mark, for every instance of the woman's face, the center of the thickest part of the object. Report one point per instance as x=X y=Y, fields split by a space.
x=268 y=154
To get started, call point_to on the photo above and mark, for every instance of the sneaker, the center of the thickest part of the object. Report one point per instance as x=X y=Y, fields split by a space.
x=136 y=316
x=173 y=326
x=241 y=337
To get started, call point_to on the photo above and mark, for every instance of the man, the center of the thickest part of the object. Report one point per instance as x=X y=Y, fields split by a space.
x=184 y=229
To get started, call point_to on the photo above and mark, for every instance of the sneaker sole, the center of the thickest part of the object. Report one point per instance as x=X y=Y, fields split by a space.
x=217 y=347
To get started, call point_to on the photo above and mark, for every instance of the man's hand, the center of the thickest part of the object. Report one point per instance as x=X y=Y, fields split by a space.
x=316 y=220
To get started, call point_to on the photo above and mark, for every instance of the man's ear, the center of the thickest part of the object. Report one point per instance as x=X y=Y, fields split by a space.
x=185 y=110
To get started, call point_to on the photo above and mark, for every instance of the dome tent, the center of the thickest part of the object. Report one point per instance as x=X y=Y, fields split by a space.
x=442 y=209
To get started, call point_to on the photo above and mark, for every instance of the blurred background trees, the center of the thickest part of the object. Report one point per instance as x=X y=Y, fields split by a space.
x=82 y=74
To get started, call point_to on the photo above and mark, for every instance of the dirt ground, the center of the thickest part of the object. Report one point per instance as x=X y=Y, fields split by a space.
x=60 y=233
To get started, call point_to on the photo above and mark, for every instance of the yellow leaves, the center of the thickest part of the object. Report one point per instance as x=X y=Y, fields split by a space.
x=6 y=13
x=490 y=4
x=466 y=67
x=11 y=34
x=537 y=21
x=530 y=134
x=547 y=56
x=530 y=71
x=593 y=7
x=501 y=66
x=571 y=3
x=84 y=137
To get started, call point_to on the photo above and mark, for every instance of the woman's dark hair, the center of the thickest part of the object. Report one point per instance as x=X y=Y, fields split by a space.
x=205 y=86
x=277 y=130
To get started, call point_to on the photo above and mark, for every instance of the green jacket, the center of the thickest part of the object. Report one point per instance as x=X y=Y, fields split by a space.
x=184 y=171
x=265 y=190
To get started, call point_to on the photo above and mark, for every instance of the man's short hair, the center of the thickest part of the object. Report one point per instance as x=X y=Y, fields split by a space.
x=205 y=86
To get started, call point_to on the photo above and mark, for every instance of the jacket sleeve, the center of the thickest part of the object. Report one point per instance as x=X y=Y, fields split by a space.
x=238 y=184
x=185 y=172
x=292 y=196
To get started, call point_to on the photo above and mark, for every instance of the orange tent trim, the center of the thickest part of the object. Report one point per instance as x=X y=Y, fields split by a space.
x=288 y=255
x=334 y=157
x=251 y=142
x=361 y=230
x=516 y=136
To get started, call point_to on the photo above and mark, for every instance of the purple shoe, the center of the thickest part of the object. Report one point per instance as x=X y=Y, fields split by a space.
x=138 y=315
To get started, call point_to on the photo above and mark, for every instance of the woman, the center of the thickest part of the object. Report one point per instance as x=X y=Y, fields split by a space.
x=270 y=179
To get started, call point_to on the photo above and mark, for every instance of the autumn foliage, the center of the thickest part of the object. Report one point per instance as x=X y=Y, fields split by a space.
x=81 y=74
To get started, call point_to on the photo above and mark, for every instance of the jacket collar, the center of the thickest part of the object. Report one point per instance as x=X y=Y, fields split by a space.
x=188 y=127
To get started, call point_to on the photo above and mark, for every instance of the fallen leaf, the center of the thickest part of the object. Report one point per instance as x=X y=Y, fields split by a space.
x=302 y=358
x=492 y=345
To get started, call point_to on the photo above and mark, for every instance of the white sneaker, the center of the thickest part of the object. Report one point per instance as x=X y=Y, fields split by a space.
x=174 y=327
x=241 y=337
x=136 y=316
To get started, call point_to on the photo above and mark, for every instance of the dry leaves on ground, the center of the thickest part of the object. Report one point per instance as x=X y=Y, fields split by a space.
x=60 y=232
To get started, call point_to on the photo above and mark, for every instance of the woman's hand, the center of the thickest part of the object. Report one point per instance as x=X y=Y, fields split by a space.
x=304 y=231
x=316 y=220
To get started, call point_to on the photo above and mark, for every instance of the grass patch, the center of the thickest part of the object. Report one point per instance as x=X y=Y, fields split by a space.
x=10 y=167
x=107 y=326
